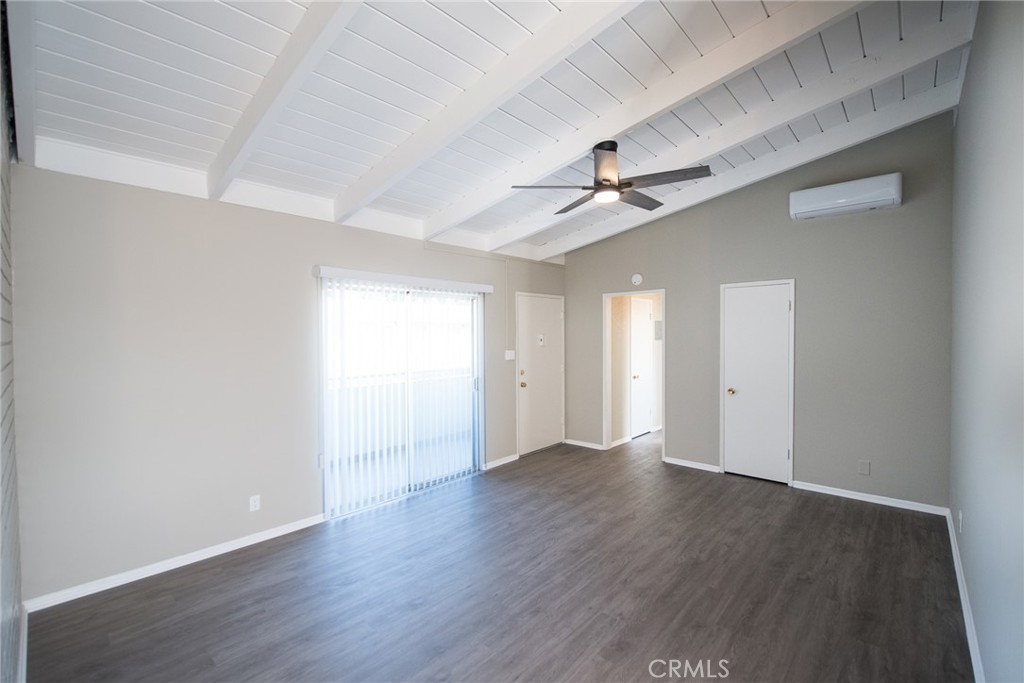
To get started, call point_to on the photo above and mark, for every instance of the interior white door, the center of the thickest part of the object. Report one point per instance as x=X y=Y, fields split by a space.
x=641 y=366
x=540 y=350
x=756 y=377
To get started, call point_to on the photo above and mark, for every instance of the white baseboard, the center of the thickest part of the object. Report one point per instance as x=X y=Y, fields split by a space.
x=61 y=596
x=619 y=442
x=872 y=498
x=584 y=444
x=695 y=465
x=965 y=603
x=22 y=674
x=499 y=462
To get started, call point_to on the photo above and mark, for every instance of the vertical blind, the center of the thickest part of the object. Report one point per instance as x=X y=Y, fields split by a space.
x=400 y=389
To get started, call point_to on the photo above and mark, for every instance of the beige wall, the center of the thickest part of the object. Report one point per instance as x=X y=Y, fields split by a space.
x=872 y=316
x=987 y=468
x=167 y=367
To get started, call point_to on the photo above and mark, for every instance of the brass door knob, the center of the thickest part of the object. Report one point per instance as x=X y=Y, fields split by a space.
x=522 y=384
x=730 y=391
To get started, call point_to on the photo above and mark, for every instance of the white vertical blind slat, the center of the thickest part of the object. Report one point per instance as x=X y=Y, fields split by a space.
x=400 y=402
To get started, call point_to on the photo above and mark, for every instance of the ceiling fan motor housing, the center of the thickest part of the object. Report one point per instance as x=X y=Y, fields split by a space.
x=606 y=163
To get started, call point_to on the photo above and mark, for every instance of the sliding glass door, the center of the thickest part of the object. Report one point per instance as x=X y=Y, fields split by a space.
x=400 y=383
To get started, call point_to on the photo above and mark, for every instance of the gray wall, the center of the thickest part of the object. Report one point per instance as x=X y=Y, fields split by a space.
x=873 y=316
x=10 y=551
x=167 y=367
x=987 y=470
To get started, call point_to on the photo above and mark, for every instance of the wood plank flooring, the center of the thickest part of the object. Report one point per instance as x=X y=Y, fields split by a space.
x=568 y=565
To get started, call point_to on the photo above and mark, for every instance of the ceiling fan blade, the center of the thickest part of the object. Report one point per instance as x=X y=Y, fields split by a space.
x=668 y=177
x=552 y=187
x=579 y=202
x=639 y=199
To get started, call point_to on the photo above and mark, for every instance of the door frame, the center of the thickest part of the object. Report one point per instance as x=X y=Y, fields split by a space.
x=515 y=384
x=721 y=391
x=606 y=367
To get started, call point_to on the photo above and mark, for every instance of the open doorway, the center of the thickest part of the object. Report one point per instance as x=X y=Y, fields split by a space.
x=634 y=365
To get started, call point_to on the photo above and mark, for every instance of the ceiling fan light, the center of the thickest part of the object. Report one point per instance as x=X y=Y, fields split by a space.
x=606 y=195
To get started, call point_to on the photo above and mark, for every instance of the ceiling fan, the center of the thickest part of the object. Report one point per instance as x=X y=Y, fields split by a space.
x=609 y=187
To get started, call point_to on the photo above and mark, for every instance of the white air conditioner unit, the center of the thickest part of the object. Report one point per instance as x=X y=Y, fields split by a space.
x=880 y=192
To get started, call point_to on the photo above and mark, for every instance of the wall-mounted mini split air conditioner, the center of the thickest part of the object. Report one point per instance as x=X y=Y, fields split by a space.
x=880 y=192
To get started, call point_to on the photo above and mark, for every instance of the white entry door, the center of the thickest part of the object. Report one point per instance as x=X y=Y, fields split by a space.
x=757 y=379
x=641 y=366
x=540 y=376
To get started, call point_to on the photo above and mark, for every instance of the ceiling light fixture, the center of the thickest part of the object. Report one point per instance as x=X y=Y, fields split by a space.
x=606 y=195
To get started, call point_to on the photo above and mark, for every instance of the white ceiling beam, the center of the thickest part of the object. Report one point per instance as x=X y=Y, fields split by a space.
x=22 y=36
x=319 y=28
x=575 y=25
x=860 y=130
x=788 y=27
x=856 y=77
x=466 y=239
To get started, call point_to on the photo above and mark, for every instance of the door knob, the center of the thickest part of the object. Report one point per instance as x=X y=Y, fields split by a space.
x=730 y=391
x=522 y=384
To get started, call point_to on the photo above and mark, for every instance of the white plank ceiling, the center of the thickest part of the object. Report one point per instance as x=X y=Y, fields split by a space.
x=416 y=117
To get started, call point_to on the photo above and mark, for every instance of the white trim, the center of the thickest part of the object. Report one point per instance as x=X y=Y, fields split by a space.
x=270 y=198
x=965 y=603
x=791 y=283
x=427 y=282
x=584 y=444
x=491 y=464
x=376 y=220
x=692 y=464
x=871 y=498
x=67 y=594
x=606 y=362
x=116 y=167
x=22 y=674
x=625 y=439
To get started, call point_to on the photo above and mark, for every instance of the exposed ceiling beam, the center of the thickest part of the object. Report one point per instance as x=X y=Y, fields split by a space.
x=575 y=25
x=319 y=28
x=783 y=29
x=21 y=34
x=857 y=77
x=859 y=130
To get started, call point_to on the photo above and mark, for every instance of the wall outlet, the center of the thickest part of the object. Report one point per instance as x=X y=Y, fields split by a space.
x=960 y=521
x=864 y=467
x=510 y=354
x=254 y=503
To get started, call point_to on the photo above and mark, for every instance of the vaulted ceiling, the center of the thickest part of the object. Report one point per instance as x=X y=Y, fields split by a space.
x=416 y=118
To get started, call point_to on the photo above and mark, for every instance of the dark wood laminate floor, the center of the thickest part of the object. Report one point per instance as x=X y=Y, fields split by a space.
x=568 y=565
